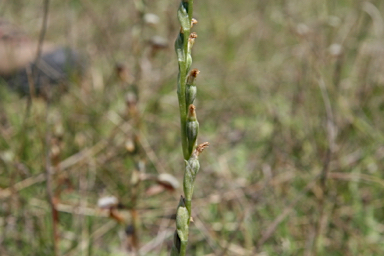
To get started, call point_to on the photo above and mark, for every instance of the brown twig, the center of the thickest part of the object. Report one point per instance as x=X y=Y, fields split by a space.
x=47 y=143
x=331 y=136
x=43 y=31
x=49 y=184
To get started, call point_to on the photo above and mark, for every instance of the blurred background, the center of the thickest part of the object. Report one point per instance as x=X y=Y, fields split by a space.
x=290 y=97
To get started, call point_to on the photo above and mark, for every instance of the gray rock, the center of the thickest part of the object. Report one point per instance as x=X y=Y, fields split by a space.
x=54 y=69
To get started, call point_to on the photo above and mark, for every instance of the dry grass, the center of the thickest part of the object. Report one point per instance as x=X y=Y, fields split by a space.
x=295 y=127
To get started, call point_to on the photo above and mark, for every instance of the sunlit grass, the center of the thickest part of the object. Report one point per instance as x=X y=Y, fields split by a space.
x=260 y=107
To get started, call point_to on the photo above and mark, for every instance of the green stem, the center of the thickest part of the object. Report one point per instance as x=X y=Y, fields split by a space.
x=183 y=72
x=184 y=57
x=190 y=10
x=182 y=106
x=188 y=205
x=183 y=248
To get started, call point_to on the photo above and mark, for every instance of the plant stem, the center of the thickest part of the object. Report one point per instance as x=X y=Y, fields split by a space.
x=186 y=92
x=183 y=114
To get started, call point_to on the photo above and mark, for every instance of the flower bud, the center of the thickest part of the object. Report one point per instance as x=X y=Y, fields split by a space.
x=179 y=47
x=192 y=127
x=191 y=88
x=182 y=15
x=188 y=61
x=190 y=92
x=188 y=182
x=182 y=221
x=194 y=165
x=191 y=40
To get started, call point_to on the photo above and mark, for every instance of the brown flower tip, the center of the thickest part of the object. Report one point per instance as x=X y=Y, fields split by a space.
x=193 y=22
x=192 y=76
x=191 y=39
x=200 y=148
x=194 y=72
x=191 y=112
x=193 y=35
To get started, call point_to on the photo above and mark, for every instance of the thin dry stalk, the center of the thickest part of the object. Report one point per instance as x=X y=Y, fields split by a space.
x=49 y=183
x=47 y=143
x=331 y=135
